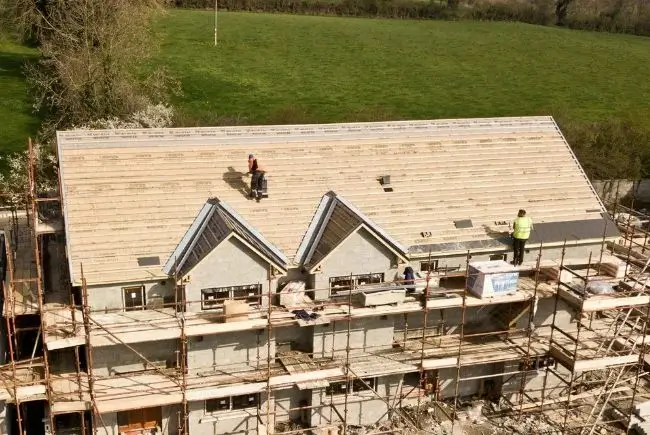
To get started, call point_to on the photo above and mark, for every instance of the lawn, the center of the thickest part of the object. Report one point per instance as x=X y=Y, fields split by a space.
x=17 y=121
x=283 y=68
x=289 y=68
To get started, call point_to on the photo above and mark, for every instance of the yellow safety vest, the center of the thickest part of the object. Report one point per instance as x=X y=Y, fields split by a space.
x=522 y=228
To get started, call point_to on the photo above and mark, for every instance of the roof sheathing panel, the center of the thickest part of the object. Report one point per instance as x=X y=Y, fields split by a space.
x=134 y=193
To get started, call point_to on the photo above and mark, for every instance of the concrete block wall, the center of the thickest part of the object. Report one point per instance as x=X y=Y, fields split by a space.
x=511 y=384
x=469 y=387
x=554 y=387
x=364 y=408
x=242 y=421
x=111 y=297
x=361 y=253
x=248 y=347
x=288 y=402
x=544 y=313
x=366 y=335
x=109 y=360
x=534 y=383
x=448 y=319
x=229 y=264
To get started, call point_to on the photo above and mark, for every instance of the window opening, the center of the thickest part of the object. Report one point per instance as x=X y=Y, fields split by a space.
x=212 y=298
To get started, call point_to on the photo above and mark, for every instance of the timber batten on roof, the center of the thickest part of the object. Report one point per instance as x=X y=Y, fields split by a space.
x=131 y=194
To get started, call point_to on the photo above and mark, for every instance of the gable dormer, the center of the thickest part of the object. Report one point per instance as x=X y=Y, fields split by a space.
x=341 y=242
x=222 y=257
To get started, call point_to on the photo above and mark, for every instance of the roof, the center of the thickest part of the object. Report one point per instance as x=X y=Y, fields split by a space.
x=215 y=223
x=132 y=194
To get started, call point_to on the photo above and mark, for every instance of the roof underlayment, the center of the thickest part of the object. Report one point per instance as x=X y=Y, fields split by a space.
x=133 y=194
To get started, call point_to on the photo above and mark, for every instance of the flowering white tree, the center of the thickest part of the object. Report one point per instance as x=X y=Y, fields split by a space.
x=14 y=182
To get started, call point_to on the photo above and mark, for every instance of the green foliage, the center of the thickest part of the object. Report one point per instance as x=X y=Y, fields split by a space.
x=403 y=9
x=88 y=68
x=18 y=121
x=620 y=16
x=611 y=149
x=533 y=12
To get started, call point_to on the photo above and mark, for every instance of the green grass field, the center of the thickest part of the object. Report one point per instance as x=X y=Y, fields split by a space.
x=284 y=68
x=16 y=118
x=270 y=67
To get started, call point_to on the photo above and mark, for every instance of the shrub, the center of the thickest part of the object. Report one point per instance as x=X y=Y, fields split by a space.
x=611 y=149
x=631 y=16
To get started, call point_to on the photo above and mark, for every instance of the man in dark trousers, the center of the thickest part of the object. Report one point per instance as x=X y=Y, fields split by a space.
x=521 y=228
x=257 y=180
x=409 y=279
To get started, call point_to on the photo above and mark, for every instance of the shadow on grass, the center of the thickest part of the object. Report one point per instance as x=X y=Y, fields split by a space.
x=290 y=114
x=373 y=114
x=11 y=64
x=19 y=120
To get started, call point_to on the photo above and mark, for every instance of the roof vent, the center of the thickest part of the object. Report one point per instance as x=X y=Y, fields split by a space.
x=464 y=223
x=384 y=180
x=148 y=261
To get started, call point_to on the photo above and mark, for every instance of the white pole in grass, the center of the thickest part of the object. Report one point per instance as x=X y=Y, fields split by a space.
x=216 y=4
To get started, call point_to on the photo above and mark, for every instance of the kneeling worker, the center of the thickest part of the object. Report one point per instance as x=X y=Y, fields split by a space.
x=257 y=181
x=521 y=232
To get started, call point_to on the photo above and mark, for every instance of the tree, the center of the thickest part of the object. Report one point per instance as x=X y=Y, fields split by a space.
x=561 y=10
x=14 y=180
x=90 y=54
x=611 y=150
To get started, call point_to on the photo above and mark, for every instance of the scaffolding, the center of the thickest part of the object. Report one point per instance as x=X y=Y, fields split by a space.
x=592 y=368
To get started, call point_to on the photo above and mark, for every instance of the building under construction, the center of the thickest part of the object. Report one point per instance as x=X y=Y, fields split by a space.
x=152 y=295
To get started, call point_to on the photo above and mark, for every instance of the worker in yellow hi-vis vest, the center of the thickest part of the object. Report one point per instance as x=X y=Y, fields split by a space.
x=521 y=228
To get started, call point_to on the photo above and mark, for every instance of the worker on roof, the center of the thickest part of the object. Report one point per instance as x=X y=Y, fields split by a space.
x=521 y=228
x=257 y=181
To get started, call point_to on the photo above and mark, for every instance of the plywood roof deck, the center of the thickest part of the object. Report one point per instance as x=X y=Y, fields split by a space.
x=134 y=193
